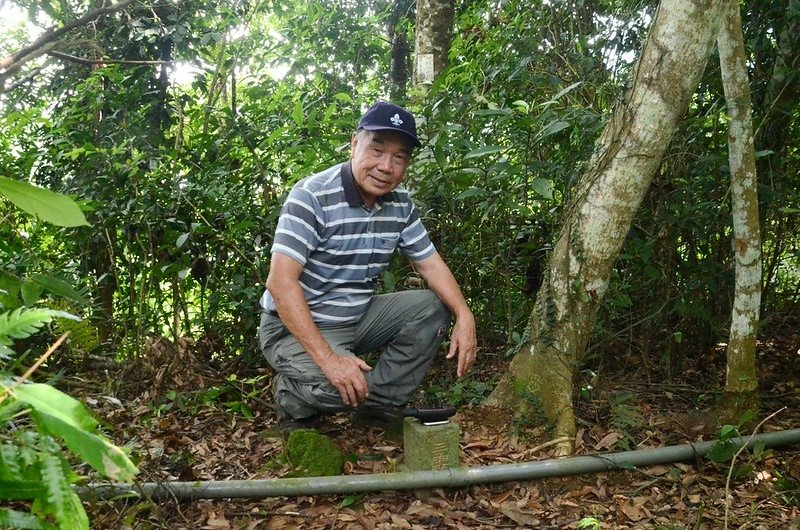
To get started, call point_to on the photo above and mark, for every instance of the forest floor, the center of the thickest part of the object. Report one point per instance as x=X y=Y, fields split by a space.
x=184 y=421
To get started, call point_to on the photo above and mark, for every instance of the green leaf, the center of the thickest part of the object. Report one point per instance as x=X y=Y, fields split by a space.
x=471 y=192
x=727 y=431
x=20 y=490
x=24 y=521
x=67 y=507
x=493 y=112
x=483 y=151
x=522 y=106
x=9 y=289
x=62 y=416
x=31 y=291
x=563 y=92
x=543 y=187
x=297 y=114
x=389 y=281
x=722 y=451
x=554 y=127
x=47 y=205
x=349 y=501
x=58 y=287
x=181 y=240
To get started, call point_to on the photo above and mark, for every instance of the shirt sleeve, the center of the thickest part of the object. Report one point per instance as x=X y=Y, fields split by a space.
x=299 y=226
x=414 y=242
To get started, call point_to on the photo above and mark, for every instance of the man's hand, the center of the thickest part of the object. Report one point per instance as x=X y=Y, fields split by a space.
x=346 y=374
x=463 y=343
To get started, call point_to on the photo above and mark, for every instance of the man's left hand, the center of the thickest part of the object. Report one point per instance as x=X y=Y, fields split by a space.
x=463 y=344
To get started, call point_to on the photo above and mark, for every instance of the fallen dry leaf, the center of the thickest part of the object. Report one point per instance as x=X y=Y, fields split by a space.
x=608 y=441
x=521 y=517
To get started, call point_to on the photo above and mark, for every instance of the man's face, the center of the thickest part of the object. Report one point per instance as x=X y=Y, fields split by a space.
x=379 y=160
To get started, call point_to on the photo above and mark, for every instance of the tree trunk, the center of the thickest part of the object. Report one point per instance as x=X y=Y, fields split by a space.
x=101 y=252
x=600 y=212
x=433 y=35
x=398 y=62
x=742 y=383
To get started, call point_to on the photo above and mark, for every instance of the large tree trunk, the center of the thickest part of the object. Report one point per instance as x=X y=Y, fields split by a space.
x=433 y=36
x=599 y=214
x=742 y=383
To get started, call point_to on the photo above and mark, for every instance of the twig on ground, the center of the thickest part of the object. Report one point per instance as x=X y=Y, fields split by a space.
x=733 y=461
x=336 y=516
x=550 y=444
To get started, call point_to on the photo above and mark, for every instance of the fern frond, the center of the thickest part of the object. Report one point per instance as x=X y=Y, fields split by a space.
x=24 y=322
x=83 y=335
x=9 y=463
x=14 y=519
x=625 y=418
x=61 y=498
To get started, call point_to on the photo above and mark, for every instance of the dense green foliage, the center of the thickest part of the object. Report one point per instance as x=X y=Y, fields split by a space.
x=181 y=167
x=33 y=416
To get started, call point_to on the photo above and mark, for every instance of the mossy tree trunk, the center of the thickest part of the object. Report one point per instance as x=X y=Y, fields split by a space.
x=601 y=209
x=741 y=384
x=434 y=30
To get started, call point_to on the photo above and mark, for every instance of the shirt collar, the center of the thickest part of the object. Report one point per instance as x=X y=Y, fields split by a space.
x=349 y=185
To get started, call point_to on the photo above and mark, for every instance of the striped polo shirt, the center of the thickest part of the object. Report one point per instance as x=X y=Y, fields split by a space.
x=343 y=246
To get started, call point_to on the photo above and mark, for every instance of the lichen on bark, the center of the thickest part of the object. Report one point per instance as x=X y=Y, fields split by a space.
x=741 y=381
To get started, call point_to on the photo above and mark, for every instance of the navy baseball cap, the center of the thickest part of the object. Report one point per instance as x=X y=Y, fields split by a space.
x=385 y=116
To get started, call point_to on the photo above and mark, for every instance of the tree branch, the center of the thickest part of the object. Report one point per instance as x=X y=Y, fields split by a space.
x=16 y=60
x=92 y=62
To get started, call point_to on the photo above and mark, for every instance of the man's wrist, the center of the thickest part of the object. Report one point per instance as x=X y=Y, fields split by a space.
x=465 y=315
x=322 y=357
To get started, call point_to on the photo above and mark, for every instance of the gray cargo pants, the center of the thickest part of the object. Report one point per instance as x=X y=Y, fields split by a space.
x=409 y=325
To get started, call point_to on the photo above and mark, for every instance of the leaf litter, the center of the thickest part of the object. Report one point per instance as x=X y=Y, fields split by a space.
x=175 y=436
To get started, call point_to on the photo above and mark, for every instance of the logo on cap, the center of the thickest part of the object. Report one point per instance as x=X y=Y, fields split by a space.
x=396 y=120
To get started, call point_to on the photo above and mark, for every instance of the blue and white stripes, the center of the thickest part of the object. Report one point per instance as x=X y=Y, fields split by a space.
x=342 y=246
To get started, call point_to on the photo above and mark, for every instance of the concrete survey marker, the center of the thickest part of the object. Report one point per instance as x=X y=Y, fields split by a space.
x=430 y=446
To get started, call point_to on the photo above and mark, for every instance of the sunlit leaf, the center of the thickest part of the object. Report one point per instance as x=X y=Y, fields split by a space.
x=64 y=417
x=543 y=187
x=483 y=151
x=49 y=206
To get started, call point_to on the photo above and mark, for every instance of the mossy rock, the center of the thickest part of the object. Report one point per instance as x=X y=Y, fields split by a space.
x=313 y=454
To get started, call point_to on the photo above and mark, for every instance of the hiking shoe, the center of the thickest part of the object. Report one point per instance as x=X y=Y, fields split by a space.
x=287 y=425
x=383 y=417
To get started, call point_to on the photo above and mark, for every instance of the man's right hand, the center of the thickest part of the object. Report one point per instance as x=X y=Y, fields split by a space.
x=346 y=374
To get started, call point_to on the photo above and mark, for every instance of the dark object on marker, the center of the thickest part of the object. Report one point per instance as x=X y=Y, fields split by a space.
x=429 y=414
